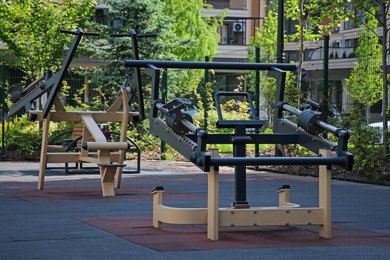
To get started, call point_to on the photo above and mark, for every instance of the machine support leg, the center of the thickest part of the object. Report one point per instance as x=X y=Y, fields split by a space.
x=42 y=164
x=213 y=200
x=325 y=196
x=157 y=203
x=284 y=196
x=239 y=150
x=107 y=178
x=240 y=188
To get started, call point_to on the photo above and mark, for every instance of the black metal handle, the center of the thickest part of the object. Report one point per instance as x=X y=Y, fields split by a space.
x=131 y=34
x=68 y=31
x=79 y=31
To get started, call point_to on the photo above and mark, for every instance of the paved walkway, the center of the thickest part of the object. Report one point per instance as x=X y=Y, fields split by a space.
x=70 y=219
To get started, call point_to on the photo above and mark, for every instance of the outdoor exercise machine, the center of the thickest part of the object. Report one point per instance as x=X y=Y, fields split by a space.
x=170 y=123
x=95 y=147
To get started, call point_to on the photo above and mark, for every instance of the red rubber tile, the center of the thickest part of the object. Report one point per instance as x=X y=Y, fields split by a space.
x=139 y=230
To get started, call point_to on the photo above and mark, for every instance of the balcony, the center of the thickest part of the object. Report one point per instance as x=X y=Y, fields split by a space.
x=334 y=53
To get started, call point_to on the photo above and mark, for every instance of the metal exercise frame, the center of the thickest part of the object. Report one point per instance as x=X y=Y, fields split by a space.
x=53 y=83
x=175 y=127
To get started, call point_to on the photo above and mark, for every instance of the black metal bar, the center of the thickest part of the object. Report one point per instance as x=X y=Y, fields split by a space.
x=257 y=96
x=2 y=96
x=321 y=123
x=209 y=65
x=283 y=138
x=164 y=99
x=280 y=33
x=205 y=101
x=220 y=161
x=154 y=73
x=141 y=108
x=190 y=126
x=239 y=150
x=280 y=77
x=54 y=83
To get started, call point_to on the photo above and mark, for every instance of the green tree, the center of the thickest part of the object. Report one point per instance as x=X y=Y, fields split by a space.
x=31 y=31
x=196 y=38
x=365 y=83
x=143 y=16
x=265 y=38
x=196 y=33
x=315 y=18
x=182 y=34
x=365 y=88
x=381 y=11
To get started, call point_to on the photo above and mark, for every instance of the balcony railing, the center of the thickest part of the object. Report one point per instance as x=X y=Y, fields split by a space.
x=334 y=53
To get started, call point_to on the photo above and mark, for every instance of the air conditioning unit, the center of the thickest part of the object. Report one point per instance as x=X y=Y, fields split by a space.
x=238 y=27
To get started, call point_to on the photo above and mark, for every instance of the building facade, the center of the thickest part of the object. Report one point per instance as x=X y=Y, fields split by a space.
x=239 y=27
x=235 y=34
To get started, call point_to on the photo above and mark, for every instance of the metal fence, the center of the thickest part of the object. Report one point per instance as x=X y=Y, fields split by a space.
x=342 y=61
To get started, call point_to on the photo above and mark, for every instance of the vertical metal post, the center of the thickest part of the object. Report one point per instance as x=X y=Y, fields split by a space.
x=135 y=49
x=280 y=34
x=205 y=105
x=239 y=150
x=257 y=96
x=280 y=47
x=325 y=104
x=326 y=72
x=164 y=97
x=3 y=113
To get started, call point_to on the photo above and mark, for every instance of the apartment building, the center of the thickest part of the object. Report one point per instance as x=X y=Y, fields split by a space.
x=342 y=45
x=239 y=26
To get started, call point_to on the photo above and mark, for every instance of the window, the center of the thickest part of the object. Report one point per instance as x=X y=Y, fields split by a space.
x=290 y=56
x=233 y=32
x=100 y=17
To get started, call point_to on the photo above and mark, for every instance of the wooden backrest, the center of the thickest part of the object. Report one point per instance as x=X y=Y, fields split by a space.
x=77 y=131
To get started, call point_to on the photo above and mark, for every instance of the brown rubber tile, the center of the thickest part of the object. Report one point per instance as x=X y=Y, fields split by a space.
x=139 y=230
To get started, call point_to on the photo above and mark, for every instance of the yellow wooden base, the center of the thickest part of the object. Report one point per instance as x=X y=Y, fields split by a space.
x=286 y=214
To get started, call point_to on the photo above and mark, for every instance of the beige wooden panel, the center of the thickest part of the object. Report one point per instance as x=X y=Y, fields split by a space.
x=93 y=128
x=75 y=116
x=270 y=216
x=171 y=215
x=62 y=157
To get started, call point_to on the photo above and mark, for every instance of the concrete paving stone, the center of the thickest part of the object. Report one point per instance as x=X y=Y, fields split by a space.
x=70 y=219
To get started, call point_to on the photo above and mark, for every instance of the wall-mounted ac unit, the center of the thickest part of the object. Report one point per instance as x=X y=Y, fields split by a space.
x=238 y=27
